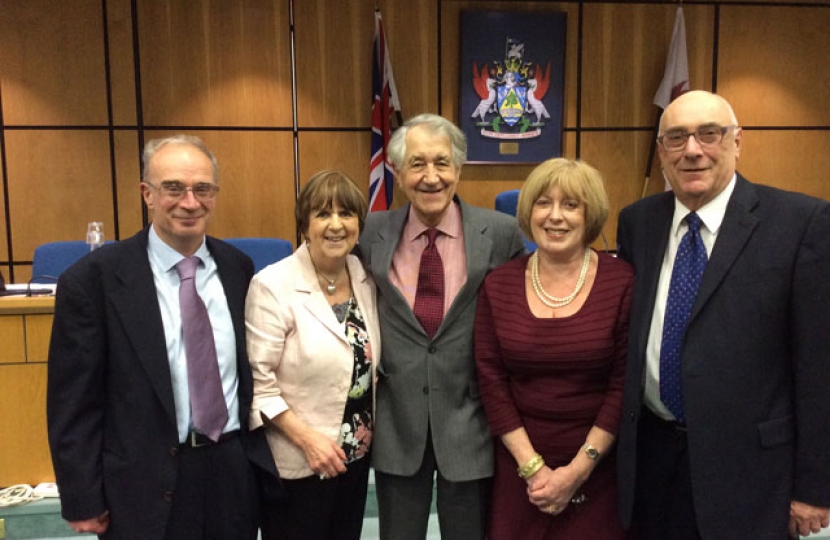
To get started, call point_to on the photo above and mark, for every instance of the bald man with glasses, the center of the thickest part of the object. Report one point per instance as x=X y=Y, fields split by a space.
x=726 y=422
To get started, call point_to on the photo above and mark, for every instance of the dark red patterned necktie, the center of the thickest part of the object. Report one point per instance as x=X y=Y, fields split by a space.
x=429 y=297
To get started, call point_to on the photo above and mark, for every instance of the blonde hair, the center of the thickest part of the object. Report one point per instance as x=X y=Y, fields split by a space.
x=578 y=180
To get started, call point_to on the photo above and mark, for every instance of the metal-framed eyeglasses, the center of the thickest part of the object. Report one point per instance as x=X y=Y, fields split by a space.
x=705 y=135
x=173 y=189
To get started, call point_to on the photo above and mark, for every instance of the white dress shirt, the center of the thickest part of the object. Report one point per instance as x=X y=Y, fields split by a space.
x=163 y=261
x=711 y=214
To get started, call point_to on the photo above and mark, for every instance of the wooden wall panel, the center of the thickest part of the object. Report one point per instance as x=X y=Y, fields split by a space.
x=58 y=182
x=256 y=196
x=52 y=62
x=22 y=274
x=334 y=62
x=334 y=59
x=791 y=160
x=412 y=34
x=347 y=152
x=773 y=65
x=24 y=454
x=621 y=158
x=128 y=174
x=215 y=63
x=625 y=56
x=122 y=61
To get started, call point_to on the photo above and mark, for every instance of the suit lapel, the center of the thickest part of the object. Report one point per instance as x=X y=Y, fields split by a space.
x=383 y=248
x=649 y=260
x=316 y=304
x=136 y=302
x=477 y=247
x=738 y=225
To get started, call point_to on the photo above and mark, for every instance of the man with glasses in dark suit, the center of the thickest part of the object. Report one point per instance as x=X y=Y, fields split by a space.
x=149 y=387
x=725 y=431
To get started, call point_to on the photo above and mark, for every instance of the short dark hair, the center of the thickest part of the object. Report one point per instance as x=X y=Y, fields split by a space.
x=322 y=190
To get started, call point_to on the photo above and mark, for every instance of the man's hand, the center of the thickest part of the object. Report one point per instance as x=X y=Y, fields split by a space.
x=806 y=519
x=97 y=525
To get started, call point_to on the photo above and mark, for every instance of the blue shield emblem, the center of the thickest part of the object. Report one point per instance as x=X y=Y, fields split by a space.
x=512 y=100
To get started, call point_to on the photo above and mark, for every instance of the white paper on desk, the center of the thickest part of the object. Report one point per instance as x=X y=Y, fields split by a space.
x=37 y=288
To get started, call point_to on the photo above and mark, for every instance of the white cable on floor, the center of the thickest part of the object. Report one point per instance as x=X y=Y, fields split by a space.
x=17 y=495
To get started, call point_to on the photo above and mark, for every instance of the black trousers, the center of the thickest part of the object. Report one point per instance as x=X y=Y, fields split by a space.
x=330 y=509
x=216 y=495
x=664 y=507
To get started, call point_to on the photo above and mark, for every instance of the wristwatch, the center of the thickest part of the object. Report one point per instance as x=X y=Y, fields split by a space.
x=591 y=451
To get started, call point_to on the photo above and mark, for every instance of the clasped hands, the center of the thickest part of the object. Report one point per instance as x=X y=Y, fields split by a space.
x=552 y=490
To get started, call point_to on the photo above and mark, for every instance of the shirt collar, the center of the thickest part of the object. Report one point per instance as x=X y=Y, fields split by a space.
x=450 y=224
x=166 y=255
x=711 y=213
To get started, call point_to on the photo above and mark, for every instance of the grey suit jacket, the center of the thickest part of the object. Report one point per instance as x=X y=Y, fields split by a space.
x=110 y=410
x=756 y=359
x=430 y=384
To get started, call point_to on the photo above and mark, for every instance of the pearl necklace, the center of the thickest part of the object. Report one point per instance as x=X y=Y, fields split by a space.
x=331 y=288
x=548 y=299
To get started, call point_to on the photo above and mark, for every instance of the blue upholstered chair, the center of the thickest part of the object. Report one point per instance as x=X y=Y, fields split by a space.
x=50 y=260
x=506 y=202
x=263 y=251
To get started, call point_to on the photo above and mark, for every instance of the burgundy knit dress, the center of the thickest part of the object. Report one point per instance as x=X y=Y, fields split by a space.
x=556 y=378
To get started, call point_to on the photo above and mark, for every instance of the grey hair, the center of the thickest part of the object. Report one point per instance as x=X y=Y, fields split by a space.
x=436 y=125
x=155 y=145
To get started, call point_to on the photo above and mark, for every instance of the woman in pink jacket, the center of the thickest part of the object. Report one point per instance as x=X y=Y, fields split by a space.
x=313 y=344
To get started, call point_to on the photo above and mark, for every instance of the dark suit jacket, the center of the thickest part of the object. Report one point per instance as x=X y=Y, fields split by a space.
x=432 y=383
x=111 y=417
x=756 y=359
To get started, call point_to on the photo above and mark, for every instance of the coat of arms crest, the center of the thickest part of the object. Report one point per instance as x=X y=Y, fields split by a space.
x=511 y=92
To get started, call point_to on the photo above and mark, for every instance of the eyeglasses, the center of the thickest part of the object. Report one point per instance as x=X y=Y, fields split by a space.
x=203 y=191
x=707 y=135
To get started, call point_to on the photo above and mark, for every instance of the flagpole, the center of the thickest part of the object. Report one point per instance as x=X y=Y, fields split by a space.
x=675 y=82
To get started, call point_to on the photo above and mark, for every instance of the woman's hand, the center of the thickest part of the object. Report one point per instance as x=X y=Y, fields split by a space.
x=323 y=455
x=551 y=490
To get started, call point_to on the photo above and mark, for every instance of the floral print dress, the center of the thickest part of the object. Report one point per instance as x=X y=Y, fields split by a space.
x=357 y=426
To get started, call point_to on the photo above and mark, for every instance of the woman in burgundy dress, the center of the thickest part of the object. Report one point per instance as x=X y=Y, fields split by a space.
x=551 y=337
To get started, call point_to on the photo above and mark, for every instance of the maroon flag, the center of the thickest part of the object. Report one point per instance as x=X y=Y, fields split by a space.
x=676 y=77
x=384 y=103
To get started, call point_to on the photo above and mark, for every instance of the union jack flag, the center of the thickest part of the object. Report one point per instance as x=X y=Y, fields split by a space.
x=384 y=102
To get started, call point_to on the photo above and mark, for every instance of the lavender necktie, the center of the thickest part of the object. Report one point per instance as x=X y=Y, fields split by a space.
x=207 y=401
x=689 y=264
x=429 y=296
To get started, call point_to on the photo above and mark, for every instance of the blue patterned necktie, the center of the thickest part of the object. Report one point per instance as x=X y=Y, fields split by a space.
x=207 y=400
x=689 y=264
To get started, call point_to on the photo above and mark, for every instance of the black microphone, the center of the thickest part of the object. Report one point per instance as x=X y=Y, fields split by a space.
x=42 y=291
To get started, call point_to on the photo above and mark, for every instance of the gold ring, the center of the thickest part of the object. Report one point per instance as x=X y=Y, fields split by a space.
x=323 y=476
x=552 y=509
